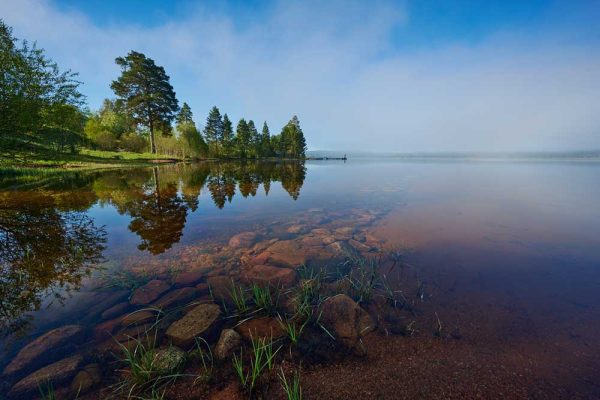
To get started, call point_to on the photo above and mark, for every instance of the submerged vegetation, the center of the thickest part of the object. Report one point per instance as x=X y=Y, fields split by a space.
x=45 y=123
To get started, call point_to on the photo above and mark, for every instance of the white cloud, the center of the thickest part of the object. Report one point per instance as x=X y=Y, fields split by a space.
x=335 y=66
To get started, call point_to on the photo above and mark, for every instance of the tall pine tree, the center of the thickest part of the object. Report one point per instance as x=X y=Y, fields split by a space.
x=213 y=131
x=228 y=137
x=243 y=137
x=147 y=93
x=265 y=141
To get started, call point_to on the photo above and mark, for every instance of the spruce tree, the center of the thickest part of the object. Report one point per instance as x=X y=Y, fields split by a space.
x=228 y=137
x=292 y=142
x=265 y=141
x=147 y=93
x=254 y=140
x=213 y=131
x=243 y=137
x=185 y=115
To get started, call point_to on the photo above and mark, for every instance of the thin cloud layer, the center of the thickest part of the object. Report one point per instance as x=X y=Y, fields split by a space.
x=338 y=68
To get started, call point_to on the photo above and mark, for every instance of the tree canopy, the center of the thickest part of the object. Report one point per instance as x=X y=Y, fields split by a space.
x=147 y=93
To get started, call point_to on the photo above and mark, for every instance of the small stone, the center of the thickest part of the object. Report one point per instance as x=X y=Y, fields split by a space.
x=57 y=373
x=169 y=360
x=244 y=239
x=201 y=321
x=45 y=349
x=149 y=292
x=228 y=342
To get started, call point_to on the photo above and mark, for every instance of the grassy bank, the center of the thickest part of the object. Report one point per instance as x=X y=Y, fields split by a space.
x=85 y=158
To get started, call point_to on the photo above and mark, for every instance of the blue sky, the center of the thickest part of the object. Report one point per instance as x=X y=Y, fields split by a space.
x=385 y=76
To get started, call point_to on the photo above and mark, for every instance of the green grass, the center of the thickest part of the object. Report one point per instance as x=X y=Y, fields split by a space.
x=263 y=299
x=262 y=359
x=293 y=329
x=238 y=296
x=292 y=388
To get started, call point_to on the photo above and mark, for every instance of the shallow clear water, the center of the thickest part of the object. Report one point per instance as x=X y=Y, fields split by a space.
x=509 y=253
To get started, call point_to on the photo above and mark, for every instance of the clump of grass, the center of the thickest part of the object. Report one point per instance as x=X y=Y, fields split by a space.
x=145 y=371
x=238 y=296
x=263 y=299
x=126 y=279
x=292 y=388
x=47 y=391
x=204 y=354
x=262 y=359
x=363 y=278
x=292 y=328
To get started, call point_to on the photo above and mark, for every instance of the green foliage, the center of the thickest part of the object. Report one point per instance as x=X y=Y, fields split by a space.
x=145 y=90
x=243 y=137
x=39 y=104
x=134 y=143
x=263 y=299
x=213 y=132
x=238 y=296
x=291 y=142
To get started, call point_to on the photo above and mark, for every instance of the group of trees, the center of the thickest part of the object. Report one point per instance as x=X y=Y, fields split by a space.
x=37 y=100
x=42 y=106
x=246 y=142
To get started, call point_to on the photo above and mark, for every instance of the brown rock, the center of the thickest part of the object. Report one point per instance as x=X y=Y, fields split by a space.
x=139 y=317
x=116 y=310
x=57 y=373
x=244 y=239
x=288 y=253
x=201 y=321
x=264 y=327
x=228 y=342
x=345 y=319
x=270 y=275
x=106 y=328
x=176 y=298
x=220 y=287
x=45 y=349
x=149 y=292
x=189 y=278
x=358 y=245
x=87 y=378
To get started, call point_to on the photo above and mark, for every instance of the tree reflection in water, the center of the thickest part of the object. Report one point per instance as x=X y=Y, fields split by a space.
x=47 y=245
x=48 y=241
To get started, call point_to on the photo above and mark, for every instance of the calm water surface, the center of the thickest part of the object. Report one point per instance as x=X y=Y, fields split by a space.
x=509 y=253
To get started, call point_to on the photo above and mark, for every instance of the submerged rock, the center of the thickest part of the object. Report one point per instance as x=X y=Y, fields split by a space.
x=244 y=239
x=176 y=298
x=169 y=360
x=189 y=278
x=116 y=310
x=270 y=275
x=149 y=292
x=57 y=373
x=201 y=321
x=86 y=379
x=228 y=342
x=264 y=327
x=45 y=349
x=346 y=319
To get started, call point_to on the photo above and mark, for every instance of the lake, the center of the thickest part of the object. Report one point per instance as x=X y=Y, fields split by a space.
x=496 y=264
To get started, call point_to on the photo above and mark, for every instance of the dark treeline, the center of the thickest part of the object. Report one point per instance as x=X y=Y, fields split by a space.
x=42 y=108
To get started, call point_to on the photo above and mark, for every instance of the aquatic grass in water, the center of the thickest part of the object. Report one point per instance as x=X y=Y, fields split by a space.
x=47 y=391
x=238 y=296
x=292 y=329
x=262 y=358
x=292 y=388
x=263 y=299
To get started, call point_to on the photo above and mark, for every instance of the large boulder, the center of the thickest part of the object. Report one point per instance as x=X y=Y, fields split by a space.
x=86 y=379
x=287 y=253
x=244 y=239
x=189 y=278
x=347 y=321
x=200 y=321
x=57 y=373
x=45 y=349
x=270 y=275
x=228 y=342
x=149 y=292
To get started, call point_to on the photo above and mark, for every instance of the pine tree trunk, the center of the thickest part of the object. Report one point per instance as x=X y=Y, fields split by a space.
x=152 y=143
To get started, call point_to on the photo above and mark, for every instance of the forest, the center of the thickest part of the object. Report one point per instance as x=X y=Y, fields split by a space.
x=44 y=115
